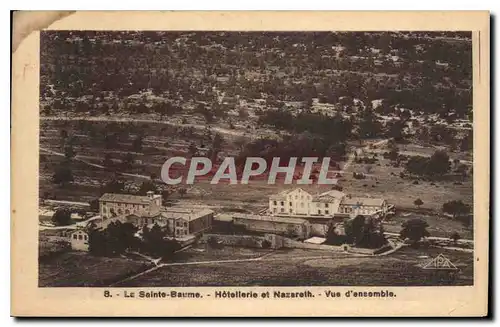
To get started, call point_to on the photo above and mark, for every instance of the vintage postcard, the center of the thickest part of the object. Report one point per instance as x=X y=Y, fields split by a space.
x=250 y=164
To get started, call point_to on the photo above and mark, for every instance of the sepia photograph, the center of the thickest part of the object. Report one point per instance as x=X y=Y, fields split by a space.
x=392 y=111
x=218 y=167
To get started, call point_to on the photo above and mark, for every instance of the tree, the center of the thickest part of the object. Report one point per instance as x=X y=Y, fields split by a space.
x=63 y=175
x=137 y=144
x=333 y=237
x=242 y=113
x=69 y=152
x=94 y=205
x=395 y=130
x=147 y=186
x=62 y=217
x=128 y=161
x=182 y=191
x=393 y=154
x=107 y=162
x=369 y=126
x=418 y=202
x=156 y=244
x=364 y=232
x=165 y=194
x=114 y=240
x=414 y=230
x=439 y=164
x=113 y=186
x=455 y=236
x=462 y=170
x=64 y=134
x=456 y=208
x=193 y=150
x=417 y=165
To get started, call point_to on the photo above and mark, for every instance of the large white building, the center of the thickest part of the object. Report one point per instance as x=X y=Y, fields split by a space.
x=298 y=202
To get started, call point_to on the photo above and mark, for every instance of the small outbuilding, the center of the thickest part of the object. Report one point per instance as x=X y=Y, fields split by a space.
x=79 y=240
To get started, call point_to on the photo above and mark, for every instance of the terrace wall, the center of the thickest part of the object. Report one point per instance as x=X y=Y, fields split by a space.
x=235 y=240
x=288 y=243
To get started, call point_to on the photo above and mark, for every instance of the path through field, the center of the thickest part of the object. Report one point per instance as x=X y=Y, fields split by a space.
x=221 y=130
x=78 y=158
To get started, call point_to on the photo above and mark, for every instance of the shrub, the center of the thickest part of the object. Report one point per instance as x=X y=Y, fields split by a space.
x=266 y=244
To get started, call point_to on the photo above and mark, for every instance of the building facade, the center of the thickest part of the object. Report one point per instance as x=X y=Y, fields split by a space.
x=113 y=205
x=294 y=202
x=290 y=227
x=177 y=222
x=298 y=202
x=79 y=240
x=363 y=206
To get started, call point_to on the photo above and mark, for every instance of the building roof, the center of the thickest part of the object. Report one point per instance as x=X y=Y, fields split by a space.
x=81 y=230
x=329 y=196
x=269 y=218
x=282 y=195
x=374 y=202
x=315 y=240
x=332 y=193
x=186 y=213
x=105 y=223
x=125 y=198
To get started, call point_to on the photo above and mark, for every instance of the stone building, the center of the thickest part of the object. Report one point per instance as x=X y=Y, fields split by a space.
x=113 y=204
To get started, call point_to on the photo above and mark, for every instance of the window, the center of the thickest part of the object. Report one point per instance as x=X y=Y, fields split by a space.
x=80 y=236
x=319 y=212
x=290 y=204
x=75 y=236
x=290 y=210
x=275 y=202
x=326 y=205
x=274 y=210
x=282 y=203
x=85 y=237
x=327 y=212
x=282 y=210
x=185 y=224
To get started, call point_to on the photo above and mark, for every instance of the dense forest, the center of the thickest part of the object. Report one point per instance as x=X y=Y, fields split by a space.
x=97 y=72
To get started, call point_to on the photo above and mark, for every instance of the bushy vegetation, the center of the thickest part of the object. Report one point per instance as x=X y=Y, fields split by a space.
x=94 y=71
x=119 y=237
x=360 y=231
x=414 y=230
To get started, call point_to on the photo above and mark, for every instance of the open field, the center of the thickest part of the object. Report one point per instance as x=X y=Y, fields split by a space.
x=206 y=253
x=77 y=269
x=439 y=226
x=311 y=268
x=383 y=180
